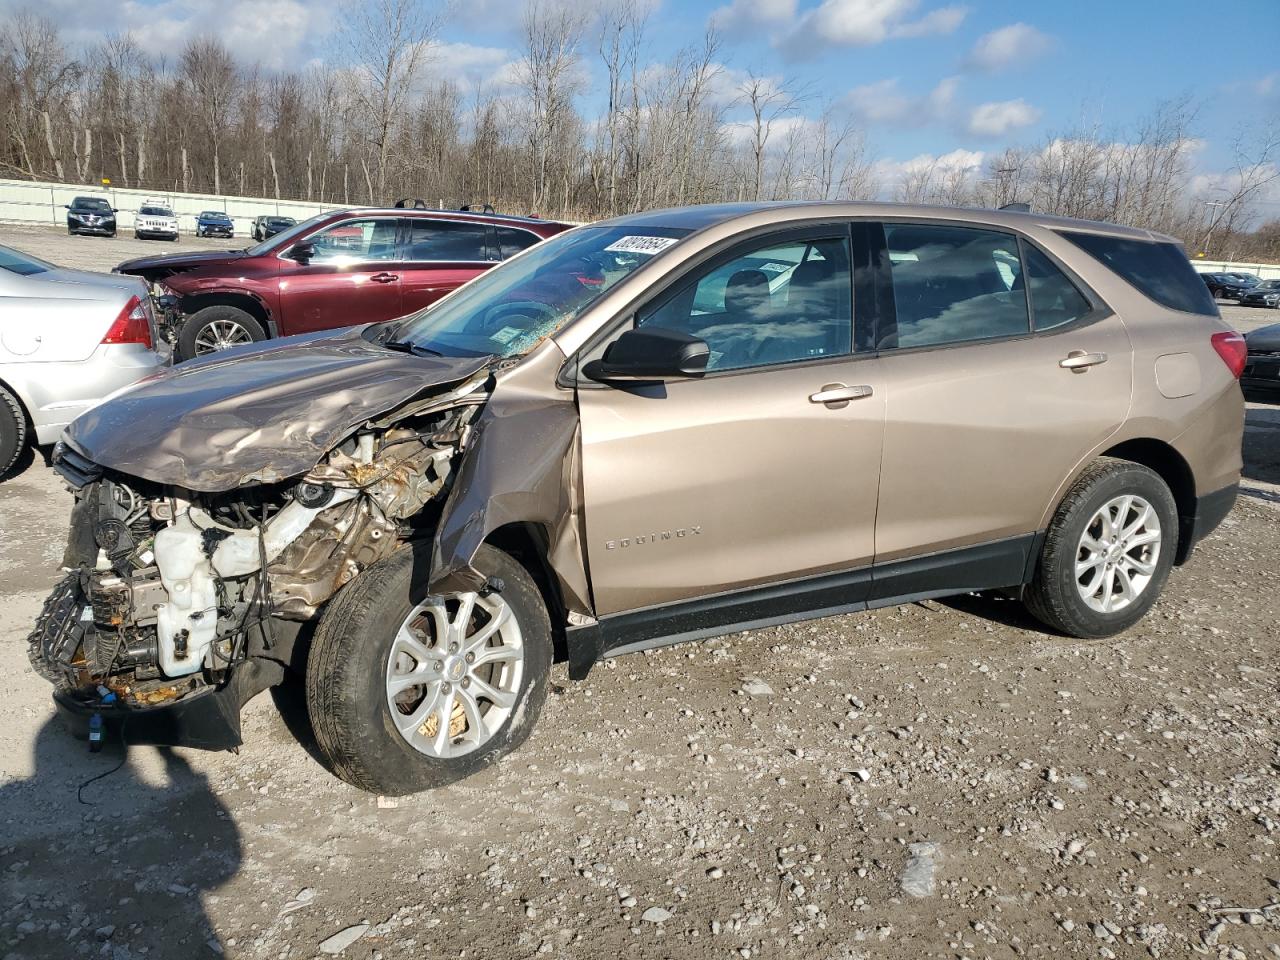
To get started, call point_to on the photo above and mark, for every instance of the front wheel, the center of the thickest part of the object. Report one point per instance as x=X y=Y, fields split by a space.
x=409 y=692
x=1107 y=552
x=215 y=328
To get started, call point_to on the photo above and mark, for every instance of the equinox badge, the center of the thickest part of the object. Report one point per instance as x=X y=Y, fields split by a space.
x=676 y=534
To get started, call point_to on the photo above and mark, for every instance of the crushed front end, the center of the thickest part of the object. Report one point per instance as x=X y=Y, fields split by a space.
x=176 y=606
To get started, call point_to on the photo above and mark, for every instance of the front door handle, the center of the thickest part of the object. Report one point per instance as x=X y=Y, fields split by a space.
x=837 y=395
x=384 y=278
x=1080 y=360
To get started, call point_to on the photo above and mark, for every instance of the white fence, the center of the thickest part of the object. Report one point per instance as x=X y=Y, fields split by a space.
x=25 y=201
x=1263 y=271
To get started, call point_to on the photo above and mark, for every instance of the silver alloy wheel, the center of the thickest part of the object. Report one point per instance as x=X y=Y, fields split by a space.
x=221 y=335
x=1118 y=553
x=454 y=673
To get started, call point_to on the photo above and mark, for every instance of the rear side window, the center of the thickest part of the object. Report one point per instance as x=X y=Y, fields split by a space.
x=1161 y=271
x=1055 y=300
x=512 y=241
x=952 y=285
x=447 y=240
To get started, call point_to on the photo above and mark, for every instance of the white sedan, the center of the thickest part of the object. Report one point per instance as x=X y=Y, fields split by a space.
x=68 y=339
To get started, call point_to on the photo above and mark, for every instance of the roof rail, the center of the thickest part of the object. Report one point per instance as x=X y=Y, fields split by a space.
x=1017 y=207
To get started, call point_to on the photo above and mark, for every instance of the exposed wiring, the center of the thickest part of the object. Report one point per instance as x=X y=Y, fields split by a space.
x=124 y=755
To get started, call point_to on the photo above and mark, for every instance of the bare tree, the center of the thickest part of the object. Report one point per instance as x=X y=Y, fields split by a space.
x=769 y=100
x=389 y=43
x=548 y=75
x=211 y=80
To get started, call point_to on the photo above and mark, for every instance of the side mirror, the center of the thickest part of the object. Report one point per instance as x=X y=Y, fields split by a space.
x=302 y=252
x=649 y=354
x=115 y=209
x=66 y=206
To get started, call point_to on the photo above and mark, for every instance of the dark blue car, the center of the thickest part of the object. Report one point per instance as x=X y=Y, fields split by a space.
x=214 y=223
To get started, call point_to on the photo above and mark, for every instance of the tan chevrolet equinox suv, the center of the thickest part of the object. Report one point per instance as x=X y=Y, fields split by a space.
x=656 y=428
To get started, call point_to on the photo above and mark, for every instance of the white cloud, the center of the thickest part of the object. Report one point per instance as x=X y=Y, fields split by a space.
x=1014 y=44
x=467 y=64
x=998 y=118
x=891 y=173
x=740 y=15
x=885 y=102
x=942 y=20
x=280 y=34
x=862 y=23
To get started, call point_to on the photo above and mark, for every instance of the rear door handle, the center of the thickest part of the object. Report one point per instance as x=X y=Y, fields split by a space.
x=837 y=395
x=1080 y=361
x=384 y=277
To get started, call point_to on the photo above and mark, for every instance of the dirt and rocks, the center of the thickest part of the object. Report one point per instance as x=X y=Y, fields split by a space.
x=933 y=780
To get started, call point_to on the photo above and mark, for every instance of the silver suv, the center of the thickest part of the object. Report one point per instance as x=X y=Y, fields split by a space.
x=657 y=428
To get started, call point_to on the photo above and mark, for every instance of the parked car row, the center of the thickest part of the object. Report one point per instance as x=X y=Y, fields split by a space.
x=155 y=219
x=1245 y=288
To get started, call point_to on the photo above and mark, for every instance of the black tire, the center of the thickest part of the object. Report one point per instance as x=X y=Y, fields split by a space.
x=198 y=321
x=1053 y=596
x=13 y=431
x=346 y=675
x=111 y=235
x=137 y=235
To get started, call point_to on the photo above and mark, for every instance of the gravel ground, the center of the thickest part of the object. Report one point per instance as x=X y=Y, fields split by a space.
x=933 y=780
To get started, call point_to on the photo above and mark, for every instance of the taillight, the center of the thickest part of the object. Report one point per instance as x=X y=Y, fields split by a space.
x=131 y=326
x=1232 y=349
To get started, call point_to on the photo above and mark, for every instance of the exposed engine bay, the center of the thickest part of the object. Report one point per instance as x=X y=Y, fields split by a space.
x=168 y=590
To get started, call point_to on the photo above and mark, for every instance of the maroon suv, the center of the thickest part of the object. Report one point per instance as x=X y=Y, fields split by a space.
x=334 y=270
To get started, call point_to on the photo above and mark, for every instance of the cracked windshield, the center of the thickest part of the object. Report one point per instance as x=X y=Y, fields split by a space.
x=509 y=310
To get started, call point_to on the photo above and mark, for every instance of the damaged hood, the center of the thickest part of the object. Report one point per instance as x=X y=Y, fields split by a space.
x=256 y=414
x=168 y=264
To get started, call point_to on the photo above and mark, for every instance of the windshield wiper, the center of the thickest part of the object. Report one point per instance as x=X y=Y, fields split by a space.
x=404 y=346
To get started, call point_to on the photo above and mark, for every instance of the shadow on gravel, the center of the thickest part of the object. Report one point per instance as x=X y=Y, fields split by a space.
x=123 y=872
x=1002 y=610
x=290 y=698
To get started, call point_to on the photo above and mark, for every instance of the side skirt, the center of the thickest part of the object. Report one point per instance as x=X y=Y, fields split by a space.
x=987 y=566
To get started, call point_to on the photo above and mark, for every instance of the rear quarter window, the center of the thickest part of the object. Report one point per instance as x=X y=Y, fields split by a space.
x=1160 y=270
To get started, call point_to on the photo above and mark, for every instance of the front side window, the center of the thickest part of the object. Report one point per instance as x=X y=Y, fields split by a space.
x=509 y=310
x=952 y=285
x=445 y=240
x=777 y=303
x=355 y=241
x=1055 y=300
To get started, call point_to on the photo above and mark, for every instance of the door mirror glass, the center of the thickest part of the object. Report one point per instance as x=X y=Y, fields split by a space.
x=650 y=354
x=302 y=252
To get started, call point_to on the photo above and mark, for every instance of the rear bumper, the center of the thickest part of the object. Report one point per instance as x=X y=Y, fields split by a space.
x=1210 y=511
x=1261 y=372
x=56 y=393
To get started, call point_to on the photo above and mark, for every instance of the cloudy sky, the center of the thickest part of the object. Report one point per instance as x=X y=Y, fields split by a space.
x=925 y=77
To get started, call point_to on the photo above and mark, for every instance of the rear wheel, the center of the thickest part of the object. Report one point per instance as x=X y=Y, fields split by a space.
x=13 y=430
x=219 y=327
x=410 y=692
x=1108 y=551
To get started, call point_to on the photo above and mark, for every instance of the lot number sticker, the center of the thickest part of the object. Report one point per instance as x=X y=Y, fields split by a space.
x=649 y=245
